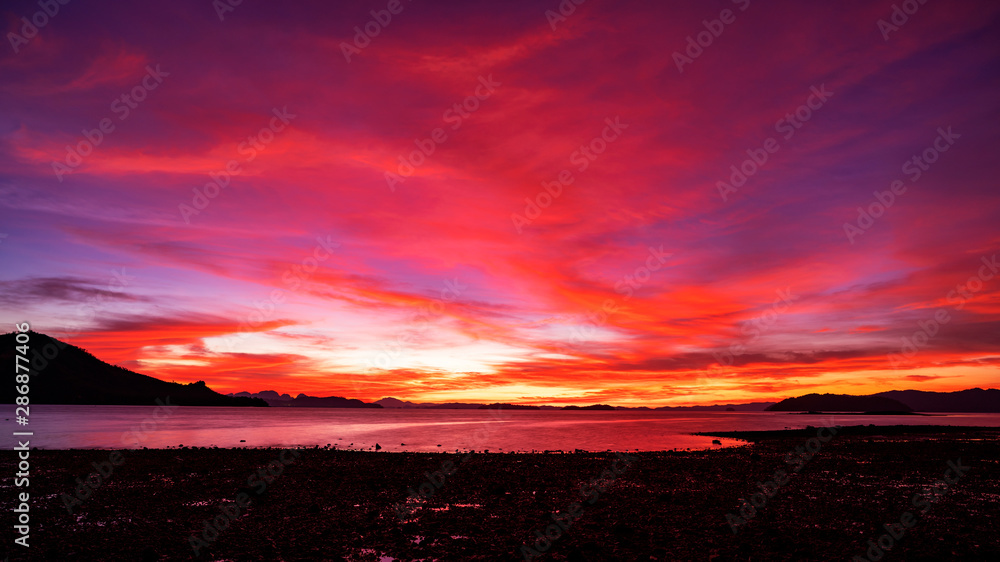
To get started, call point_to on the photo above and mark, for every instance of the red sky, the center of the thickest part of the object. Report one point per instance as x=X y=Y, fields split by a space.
x=317 y=270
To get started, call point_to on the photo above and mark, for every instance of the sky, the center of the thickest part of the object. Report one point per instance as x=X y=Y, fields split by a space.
x=624 y=202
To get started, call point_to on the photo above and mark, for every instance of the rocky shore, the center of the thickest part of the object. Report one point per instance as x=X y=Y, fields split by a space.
x=838 y=490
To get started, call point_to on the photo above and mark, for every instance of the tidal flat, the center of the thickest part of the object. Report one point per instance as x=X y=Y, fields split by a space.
x=325 y=504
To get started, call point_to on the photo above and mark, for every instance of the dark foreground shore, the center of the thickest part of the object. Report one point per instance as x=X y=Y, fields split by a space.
x=343 y=505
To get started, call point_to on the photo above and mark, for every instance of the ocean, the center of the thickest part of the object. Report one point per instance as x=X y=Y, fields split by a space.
x=108 y=427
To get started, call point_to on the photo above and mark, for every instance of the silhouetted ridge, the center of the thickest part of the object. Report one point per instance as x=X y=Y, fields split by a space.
x=971 y=400
x=592 y=407
x=66 y=374
x=839 y=403
x=305 y=401
x=505 y=406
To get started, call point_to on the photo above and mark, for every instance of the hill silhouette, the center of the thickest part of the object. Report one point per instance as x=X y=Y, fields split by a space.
x=969 y=400
x=839 y=403
x=591 y=407
x=66 y=374
x=305 y=401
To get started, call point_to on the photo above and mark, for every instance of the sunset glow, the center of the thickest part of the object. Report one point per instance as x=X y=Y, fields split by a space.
x=482 y=203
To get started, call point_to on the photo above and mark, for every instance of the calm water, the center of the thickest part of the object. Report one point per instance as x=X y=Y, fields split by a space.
x=97 y=427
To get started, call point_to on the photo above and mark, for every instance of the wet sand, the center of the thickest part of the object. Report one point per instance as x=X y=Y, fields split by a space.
x=353 y=505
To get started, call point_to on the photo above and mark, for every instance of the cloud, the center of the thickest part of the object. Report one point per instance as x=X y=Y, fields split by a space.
x=250 y=249
x=35 y=290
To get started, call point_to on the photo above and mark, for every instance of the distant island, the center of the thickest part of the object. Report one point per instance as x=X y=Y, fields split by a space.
x=395 y=403
x=276 y=400
x=593 y=407
x=839 y=403
x=505 y=406
x=65 y=374
x=970 y=400
x=896 y=401
x=748 y=407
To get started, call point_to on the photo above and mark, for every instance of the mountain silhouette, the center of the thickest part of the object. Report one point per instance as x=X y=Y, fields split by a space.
x=839 y=403
x=970 y=400
x=66 y=374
